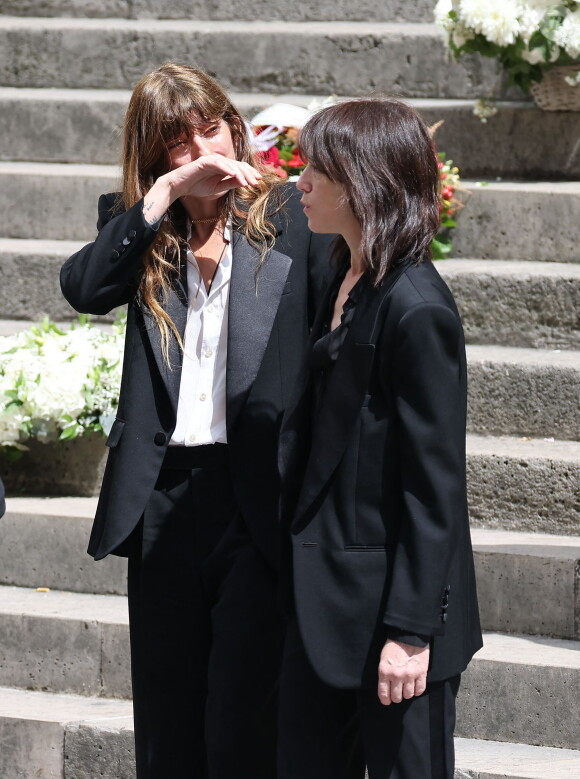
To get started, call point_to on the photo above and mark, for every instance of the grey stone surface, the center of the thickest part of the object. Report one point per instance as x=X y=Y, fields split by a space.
x=29 y=279
x=34 y=729
x=523 y=690
x=517 y=303
x=56 y=125
x=82 y=125
x=104 y=750
x=72 y=467
x=30 y=750
x=306 y=10
x=477 y=759
x=40 y=546
x=53 y=201
x=525 y=392
x=116 y=662
x=53 y=654
x=528 y=582
x=524 y=221
x=518 y=142
x=519 y=484
x=350 y=58
x=64 y=642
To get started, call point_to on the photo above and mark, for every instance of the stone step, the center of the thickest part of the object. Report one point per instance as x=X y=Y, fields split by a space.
x=509 y=302
x=515 y=391
x=499 y=221
x=83 y=125
x=55 y=532
x=522 y=689
x=477 y=759
x=320 y=57
x=514 y=484
x=528 y=582
x=524 y=484
x=54 y=202
x=48 y=735
x=516 y=303
x=524 y=220
x=77 y=643
x=44 y=734
x=29 y=278
x=306 y=10
x=64 y=642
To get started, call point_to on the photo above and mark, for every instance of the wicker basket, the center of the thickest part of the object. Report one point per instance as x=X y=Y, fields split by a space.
x=553 y=93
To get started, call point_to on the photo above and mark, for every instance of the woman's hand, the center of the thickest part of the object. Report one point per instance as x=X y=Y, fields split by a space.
x=211 y=175
x=402 y=671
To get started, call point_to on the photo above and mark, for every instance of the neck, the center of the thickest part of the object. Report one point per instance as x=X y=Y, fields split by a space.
x=353 y=237
x=201 y=208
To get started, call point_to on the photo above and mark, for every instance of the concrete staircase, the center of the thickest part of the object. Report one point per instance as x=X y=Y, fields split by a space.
x=65 y=79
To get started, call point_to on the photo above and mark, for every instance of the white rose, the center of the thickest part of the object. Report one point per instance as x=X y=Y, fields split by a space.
x=568 y=34
x=497 y=20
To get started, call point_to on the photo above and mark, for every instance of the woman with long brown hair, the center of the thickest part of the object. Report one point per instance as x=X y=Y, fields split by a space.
x=213 y=258
x=380 y=584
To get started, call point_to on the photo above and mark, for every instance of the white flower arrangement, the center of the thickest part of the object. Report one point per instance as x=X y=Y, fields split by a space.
x=528 y=37
x=58 y=384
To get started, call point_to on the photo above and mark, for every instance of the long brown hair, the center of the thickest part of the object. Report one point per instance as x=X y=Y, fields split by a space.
x=164 y=104
x=380 y=150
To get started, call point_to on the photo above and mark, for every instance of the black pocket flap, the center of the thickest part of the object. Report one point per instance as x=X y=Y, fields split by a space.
x=116 y=433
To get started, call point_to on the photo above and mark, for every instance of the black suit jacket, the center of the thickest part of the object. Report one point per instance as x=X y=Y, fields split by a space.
x=268 y=325
x=374 y=488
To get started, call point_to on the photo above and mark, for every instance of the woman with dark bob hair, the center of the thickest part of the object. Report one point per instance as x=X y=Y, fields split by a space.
x=215 y=262
x=380 y=585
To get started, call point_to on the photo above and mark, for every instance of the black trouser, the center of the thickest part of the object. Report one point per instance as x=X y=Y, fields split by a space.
x=328 y=733
x=206 y=638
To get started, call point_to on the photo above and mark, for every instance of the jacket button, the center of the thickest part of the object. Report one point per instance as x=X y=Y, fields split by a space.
x=159 y=439
x=115 y=254
x=126 y=241
x=132 y=234
x=444 y=618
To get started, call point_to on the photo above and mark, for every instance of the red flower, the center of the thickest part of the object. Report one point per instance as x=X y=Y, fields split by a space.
x=270 y=157
x=296 y=161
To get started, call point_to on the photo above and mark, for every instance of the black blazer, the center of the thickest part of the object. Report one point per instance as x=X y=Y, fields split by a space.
x=374 y=488
x=268 y=325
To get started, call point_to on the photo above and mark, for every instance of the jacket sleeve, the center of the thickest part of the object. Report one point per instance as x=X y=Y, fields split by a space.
x=428 y=383
x=105 y=274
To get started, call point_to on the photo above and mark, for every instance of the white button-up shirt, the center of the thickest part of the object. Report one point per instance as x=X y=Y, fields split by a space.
x=201 y=410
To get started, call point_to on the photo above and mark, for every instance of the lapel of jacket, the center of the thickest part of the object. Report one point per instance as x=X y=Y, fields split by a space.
x=253 y=302
x=345 y=391
x=176 y=306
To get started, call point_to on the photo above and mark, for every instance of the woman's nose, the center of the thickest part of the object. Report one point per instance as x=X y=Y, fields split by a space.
x=199 y=146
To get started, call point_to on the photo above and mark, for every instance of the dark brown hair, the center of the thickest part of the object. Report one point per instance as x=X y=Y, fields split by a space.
x=380 y=150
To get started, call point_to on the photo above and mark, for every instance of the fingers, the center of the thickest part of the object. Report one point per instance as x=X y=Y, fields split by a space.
x=397 y=690
x=237 y=173
x=402 y=672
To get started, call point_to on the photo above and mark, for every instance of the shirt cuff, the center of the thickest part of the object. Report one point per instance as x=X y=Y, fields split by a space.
x=413 y=639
